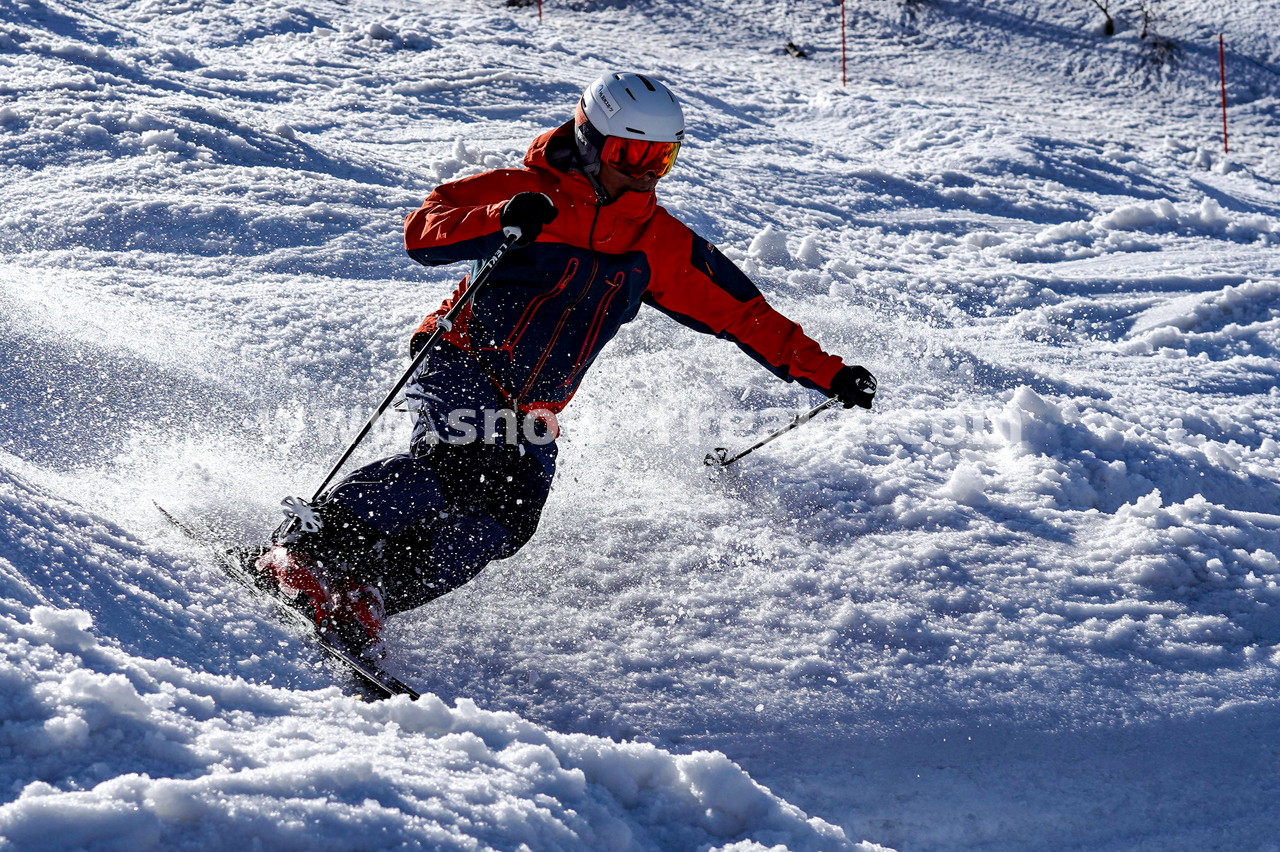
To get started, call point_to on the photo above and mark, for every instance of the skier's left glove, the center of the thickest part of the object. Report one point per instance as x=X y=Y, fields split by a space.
x=854 y=386
x=528 y=211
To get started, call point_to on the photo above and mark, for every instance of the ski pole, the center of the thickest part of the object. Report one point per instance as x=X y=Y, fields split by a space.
x=720 y=457
x=302 y=511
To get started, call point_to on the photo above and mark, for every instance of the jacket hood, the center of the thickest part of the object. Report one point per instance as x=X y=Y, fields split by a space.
x=554 y=149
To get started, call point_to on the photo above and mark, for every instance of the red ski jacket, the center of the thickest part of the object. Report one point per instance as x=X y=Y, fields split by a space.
x=549 y=308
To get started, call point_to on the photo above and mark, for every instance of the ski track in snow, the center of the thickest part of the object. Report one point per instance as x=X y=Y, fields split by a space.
x=1029 y=602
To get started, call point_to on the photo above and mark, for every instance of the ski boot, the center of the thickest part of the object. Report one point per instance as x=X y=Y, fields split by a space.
x=341 y=605
x=359 y=615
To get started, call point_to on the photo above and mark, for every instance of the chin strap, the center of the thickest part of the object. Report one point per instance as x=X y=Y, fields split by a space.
x=602 y=196
x=590 y=170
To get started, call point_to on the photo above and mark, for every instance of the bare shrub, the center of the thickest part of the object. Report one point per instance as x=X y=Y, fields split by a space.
x=1159 y=51
x=1109 y=28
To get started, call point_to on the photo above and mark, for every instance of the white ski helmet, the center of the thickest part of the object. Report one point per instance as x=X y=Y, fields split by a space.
x=625 y=106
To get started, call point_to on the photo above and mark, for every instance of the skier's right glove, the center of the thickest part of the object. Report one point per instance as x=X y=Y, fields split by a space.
x=528 y=211
x=854 y=386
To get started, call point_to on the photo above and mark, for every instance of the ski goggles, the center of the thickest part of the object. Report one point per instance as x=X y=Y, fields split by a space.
x=636 y=157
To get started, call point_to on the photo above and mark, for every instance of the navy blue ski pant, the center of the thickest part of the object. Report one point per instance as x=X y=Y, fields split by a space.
x=425 y=522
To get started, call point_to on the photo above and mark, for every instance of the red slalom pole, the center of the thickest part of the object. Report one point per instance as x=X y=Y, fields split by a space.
x=1222 y=71
x=844 y=51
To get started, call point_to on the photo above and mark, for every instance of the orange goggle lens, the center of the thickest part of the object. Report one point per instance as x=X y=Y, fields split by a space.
x=635 y=157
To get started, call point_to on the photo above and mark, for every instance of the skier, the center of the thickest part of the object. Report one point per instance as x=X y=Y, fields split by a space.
x=594 y=246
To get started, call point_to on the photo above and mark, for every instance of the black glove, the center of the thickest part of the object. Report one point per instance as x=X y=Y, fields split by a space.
x=528 y=211
x=854 y=386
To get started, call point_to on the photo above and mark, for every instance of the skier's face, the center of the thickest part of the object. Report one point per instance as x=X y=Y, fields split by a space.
x=615 y=182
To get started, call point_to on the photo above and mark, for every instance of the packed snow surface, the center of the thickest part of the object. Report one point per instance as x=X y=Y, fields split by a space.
x=1031 y=601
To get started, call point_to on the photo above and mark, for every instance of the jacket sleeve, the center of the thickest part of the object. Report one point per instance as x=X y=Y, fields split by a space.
x=459 y=220
x=701 y=288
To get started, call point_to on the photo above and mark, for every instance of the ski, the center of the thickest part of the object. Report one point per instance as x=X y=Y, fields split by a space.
x=373 y=681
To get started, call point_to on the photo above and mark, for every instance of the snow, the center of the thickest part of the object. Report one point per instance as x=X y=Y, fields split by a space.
x=1028 y=602
x=129 y=753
